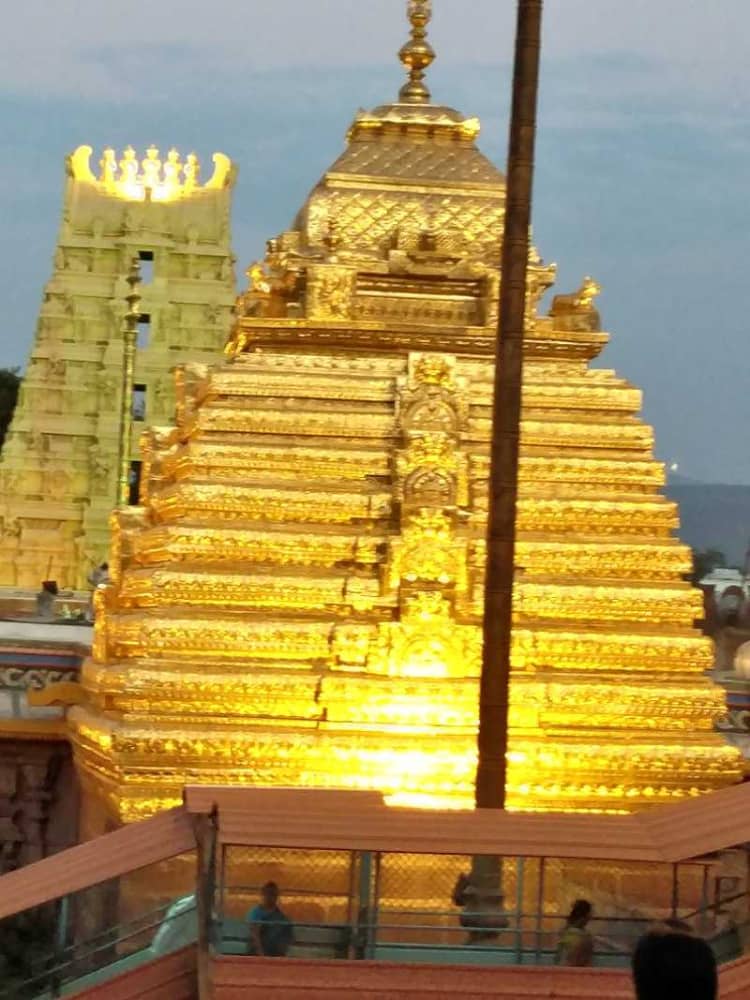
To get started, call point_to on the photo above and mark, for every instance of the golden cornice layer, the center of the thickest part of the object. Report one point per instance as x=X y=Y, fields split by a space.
x=177 y=633
x=259 y=384
x=124 y=635
x=362 y=701
x=345 y=421
x=552 y=601
x=429 y=122
x=304 y=368
x=633 y=473
x=250 y=503
x=383 y=183
x=343 y=592
x=649 y=517
x=339 y=595
x=586 y=776
x=202 y=544
x=626 y=515
x=621 y=560
x=338 y=459
x=643 y=651
x=302 y=335
x=645 y=560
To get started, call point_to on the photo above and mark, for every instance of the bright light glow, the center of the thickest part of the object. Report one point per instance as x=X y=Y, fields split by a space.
x=151 y=178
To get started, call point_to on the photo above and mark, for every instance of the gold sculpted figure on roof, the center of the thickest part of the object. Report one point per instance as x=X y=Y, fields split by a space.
x=577 y=310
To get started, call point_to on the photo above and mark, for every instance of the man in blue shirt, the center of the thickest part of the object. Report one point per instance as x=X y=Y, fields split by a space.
x=271 y=931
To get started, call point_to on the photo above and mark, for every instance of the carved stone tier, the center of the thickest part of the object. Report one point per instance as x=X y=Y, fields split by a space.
x=298 y=601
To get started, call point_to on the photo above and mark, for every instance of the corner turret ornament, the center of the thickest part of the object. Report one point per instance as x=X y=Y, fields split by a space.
x=417 y=54
x=576 y=310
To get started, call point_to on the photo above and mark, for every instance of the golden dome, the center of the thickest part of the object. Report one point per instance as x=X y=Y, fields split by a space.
x=410 y=168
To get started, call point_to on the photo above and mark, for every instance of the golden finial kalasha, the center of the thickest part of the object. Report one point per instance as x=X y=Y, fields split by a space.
x=417 y=54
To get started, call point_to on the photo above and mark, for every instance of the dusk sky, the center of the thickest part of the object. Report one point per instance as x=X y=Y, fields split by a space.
x=644 y=143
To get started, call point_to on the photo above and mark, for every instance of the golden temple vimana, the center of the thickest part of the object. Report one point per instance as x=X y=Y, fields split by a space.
x=297 y=598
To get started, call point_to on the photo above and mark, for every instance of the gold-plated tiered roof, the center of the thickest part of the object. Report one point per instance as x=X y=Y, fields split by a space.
x=298 y=599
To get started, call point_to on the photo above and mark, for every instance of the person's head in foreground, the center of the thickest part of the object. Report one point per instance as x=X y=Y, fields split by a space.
x=270 y=895
x=580 y=913
x=674 y=966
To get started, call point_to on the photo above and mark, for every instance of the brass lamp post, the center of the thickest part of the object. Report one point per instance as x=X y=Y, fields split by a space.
x=130 y=336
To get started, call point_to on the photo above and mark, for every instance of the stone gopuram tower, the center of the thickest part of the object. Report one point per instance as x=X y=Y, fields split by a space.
x=58 y=472
x=298 y=600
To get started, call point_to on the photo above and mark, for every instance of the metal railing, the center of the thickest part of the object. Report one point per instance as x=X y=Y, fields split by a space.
x=117 y=902
x=67 y=968
x=342 y=905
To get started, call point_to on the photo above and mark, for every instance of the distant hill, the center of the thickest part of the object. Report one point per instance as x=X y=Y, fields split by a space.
x=713 y=516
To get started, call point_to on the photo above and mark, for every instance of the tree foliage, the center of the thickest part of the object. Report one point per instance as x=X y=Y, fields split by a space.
x=10 y=383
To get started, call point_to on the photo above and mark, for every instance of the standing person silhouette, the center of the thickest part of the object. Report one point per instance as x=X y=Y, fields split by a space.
x=576 y=945
x=271 y=930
